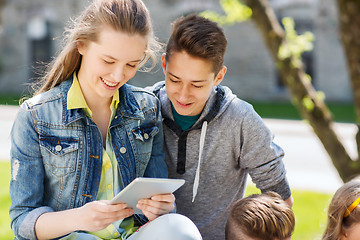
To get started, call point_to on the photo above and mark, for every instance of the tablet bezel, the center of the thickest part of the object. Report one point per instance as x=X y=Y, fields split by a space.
x=143 y=187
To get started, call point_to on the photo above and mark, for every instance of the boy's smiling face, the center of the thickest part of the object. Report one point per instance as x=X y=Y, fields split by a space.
x=189 y=82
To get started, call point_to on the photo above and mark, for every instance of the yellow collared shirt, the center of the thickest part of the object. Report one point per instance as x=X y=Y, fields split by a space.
x=110 y=176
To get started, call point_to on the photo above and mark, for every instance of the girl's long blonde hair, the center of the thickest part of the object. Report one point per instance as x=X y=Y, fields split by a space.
x=341 y=200
x=128 y=16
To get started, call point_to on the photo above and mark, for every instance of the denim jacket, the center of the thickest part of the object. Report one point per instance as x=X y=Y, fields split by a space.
x=56 y=154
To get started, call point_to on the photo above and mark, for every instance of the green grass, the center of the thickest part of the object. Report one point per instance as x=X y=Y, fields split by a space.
x=9 y=99
x=309 y=208
x=5 y=231
x=310 y=213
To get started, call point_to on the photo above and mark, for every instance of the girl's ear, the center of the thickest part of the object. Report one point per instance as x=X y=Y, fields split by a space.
x=81 y=47
x=344 y=234
x=220 y=76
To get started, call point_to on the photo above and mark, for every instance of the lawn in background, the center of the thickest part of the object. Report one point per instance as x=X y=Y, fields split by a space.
x=310 y=209
x=9 y=99
x=5 y=231
x=342 y=112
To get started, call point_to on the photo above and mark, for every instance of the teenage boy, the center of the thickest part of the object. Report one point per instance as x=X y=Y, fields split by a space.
x=212 y=138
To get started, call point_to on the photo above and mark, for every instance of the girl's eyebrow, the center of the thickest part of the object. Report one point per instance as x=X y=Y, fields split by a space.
x=115 y=59
x=194 y=81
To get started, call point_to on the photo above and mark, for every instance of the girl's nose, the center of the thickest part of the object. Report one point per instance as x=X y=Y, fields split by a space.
x=118 y=74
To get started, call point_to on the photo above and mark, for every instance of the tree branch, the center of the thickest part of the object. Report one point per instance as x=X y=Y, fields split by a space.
x=318 y=116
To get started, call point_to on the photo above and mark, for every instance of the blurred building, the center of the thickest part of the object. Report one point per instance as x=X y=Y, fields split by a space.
x=31 y=32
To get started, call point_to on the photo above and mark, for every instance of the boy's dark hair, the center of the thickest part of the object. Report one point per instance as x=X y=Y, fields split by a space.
x=198 y=37
x=260 y=216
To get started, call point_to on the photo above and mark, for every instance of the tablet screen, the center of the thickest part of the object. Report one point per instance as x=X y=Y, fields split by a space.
x=145 y=188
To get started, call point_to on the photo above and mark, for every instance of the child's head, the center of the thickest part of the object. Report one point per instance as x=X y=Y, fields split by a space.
x=199 y=37
x=126 y=16
x=260 y=216
x=344 y=213
x=193 y=63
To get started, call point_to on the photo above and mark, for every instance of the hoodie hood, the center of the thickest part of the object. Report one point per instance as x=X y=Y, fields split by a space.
x=220 y=98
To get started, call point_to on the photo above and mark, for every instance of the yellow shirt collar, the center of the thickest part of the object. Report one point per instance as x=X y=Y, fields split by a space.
x=75 y=98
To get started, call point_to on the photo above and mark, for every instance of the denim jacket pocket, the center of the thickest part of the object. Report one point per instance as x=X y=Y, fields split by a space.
x=145 y=133
x=143 y=139
x=59 y=154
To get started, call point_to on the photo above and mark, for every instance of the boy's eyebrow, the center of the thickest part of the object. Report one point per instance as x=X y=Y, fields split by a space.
x=115 y=59
x=195 y=81
x=173 y=75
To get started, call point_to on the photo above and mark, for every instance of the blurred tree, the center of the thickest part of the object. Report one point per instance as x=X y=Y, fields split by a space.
x=285 y=46
x=1 y=6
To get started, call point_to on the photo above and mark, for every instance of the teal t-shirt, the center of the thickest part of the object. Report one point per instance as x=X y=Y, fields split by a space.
x=185 y=122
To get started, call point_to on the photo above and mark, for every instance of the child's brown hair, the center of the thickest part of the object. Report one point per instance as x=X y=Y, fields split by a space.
x=260 y=216
x=343 y=210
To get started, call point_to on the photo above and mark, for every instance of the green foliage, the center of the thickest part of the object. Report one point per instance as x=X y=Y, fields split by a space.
x=294 y=44
x=308 y=103
x=234 y=12
x=308 y=79
x=320 y=95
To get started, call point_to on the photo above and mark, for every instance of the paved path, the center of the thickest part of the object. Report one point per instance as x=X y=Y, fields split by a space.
x=306 y=161
x=308 y=164
x=7 y=116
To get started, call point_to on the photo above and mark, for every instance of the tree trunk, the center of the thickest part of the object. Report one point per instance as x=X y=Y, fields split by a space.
x=301 y=90
x=349 y=18
x=1 y=7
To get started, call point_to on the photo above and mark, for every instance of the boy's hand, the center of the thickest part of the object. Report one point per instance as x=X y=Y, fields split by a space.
x=157 y=205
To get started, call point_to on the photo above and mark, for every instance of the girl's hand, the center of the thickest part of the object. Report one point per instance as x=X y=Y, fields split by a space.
x=157 y=205
x=97 y=215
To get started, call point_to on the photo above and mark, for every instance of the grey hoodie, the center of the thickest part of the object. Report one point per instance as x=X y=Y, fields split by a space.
x=236 y=143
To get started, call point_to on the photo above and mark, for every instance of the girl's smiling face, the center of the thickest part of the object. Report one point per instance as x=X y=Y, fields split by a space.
x=351 y=233
x=109 y=63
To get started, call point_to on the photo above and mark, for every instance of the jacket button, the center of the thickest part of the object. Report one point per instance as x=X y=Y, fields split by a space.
x=146 y=136
x=123 y=150
x=58 y=148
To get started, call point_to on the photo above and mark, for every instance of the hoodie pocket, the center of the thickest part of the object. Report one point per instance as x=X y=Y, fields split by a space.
x=59 y=154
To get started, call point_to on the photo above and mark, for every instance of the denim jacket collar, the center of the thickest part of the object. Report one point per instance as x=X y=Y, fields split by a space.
x=128 y=106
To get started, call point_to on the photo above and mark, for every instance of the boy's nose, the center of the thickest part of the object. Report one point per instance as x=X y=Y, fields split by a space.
x=184 y=93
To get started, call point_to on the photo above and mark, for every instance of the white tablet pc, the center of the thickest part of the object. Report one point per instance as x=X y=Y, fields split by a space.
x=145 y=188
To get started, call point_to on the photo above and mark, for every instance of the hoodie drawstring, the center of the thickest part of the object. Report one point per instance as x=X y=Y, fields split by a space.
x=201 y=147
